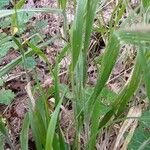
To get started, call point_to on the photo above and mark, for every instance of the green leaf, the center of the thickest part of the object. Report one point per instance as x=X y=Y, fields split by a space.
x=20 y=4
x=108 y=95
x=5 y=23
x=15 y=21
x=141 y=137
x=13 y=63
x=135 y=35
x=1 y=82
x=6 y=96
x=4 y=13
x=120 y=7
x=90 y=14
x=63 y=144
x=69 y=95
x=146 y=70
x=30 y=63
x=146 y=4
x=40 y=53
x=2 y=141
x=39 y=122
x=98 y=111
x=41 y=24
x=23 y=18
x=52 y=127
x=6 y=43
x=24 y=133
x=125 y=95
x=77 y=33
x=3 y=3
x=62 y=3
x=35 y=130
x=108 y=62
x=5 y=47
x=56 y=144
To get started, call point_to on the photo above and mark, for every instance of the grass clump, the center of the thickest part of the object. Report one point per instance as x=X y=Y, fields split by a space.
x=92 y=117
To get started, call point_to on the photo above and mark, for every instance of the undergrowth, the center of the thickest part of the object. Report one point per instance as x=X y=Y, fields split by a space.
x=95 y=108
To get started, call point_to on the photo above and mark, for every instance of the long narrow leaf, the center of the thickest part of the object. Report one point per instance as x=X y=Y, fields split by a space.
x=108 y=63
x=94 y=125
x=35 y=131
x=146 y=70
x=131 y=88
x=5 y=13
x=137 y=35
x=24 y=133
x=90 y=14
x=77 y=32
x=124 y=96
x=52 y=127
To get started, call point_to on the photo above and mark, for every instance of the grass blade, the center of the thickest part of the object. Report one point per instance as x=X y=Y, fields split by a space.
x=5 y=13
x=77 y=32
x=130 y=89
x=124 y=96
x=62 y=3
x=137 y=35
x=146 y=70
x=52 y=126
x=112 y=23
x=94 y=125
x=108 y=62
x=56 y=144
x=63 y=144
x=24 y=133
x=34 y=128
x=90 y=14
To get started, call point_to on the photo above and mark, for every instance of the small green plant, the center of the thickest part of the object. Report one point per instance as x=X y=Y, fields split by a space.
x=6 y=96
